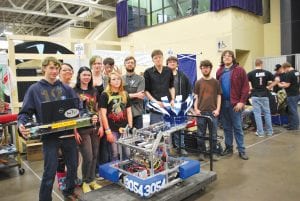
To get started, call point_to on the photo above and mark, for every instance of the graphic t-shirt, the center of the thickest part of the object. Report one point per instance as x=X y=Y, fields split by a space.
x=116 y=110
x=259 y=79
x=89 y=99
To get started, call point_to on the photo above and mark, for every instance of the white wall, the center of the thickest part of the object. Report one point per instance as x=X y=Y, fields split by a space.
x=200 y=35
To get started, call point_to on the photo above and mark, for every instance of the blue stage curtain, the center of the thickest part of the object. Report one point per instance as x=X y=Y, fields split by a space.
x=187 y=64
x=122 y=18
x=254 y=6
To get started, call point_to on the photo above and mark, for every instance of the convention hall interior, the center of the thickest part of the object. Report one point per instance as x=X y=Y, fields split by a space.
x=242 y=154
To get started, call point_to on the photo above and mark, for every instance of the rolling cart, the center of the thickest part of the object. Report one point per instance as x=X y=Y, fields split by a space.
x=9 y=149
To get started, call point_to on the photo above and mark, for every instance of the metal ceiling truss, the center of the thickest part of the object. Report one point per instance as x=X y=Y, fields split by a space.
x=24 y=16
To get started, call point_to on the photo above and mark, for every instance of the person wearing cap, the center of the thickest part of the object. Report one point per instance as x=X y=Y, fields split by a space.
x=182 y=87
x=278 y=76
x=291 y=85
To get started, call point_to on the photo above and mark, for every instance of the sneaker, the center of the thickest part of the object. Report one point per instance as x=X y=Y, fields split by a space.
x=270 y=134
x=94 y=185
x=259 y=135
x=201 y=157
x=243 y=156
x=227 y=152
x=292 y=129
x=184 y=152
x=216 y=157
x=86 y=187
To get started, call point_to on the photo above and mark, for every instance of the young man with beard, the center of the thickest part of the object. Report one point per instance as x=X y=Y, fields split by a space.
x=207 y=102
x=235 y=91
x=135 y=86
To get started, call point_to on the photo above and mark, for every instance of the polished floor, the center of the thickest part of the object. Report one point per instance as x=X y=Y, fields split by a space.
x=271 y=174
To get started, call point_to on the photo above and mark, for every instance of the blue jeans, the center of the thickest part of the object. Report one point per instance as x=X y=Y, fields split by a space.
x=203 y=125
x=155 y=117
x=115 y=149
x=178 y=137
x=292 y=103
x=50 y=151
x=232 y=125
x=138 y=121
x=261 y=106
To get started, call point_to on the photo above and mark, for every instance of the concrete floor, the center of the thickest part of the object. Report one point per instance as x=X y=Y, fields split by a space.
x=272 y=173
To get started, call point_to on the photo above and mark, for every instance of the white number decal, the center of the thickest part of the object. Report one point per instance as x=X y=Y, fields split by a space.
x=146 y=190
x=260 y=81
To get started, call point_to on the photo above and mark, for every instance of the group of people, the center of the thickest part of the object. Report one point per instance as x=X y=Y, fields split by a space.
x=101 y=91
x=114 y=101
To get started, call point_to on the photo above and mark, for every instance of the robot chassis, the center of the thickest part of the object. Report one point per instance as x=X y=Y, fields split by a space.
x=148 y=168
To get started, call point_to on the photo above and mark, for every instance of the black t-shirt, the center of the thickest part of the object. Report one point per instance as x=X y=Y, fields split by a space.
x=89 y=99
x=158 y=84
x=293 y=78
x=259 y=79
x=116 y=110
x=281 y=76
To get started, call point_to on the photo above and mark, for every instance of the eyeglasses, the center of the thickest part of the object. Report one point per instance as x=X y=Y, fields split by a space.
x=205 y=67
x=66 y=70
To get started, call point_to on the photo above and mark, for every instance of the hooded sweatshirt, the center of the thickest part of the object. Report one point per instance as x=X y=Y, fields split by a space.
x=39 y=92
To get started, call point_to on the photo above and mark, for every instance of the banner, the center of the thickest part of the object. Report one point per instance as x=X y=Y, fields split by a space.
x=4 y=76
x=188 y=65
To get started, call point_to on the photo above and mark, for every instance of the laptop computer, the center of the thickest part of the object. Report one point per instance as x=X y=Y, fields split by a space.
x=59 y=110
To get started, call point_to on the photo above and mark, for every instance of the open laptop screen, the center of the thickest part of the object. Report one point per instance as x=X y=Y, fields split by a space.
x=54 y=111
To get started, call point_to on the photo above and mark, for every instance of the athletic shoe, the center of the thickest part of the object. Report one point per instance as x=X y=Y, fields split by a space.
x=86 y=187
x=94 y=185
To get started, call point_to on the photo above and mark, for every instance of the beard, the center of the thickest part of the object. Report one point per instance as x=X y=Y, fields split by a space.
x=130 y=70
x=206 y=75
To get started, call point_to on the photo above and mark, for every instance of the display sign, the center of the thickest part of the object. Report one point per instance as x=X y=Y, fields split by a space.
x=79 y=49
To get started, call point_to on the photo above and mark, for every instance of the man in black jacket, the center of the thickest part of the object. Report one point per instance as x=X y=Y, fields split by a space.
x=182 y=87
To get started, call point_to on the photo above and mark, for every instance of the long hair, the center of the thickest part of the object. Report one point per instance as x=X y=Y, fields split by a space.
x=230 y=53
x=121 y=89
x=81 y=69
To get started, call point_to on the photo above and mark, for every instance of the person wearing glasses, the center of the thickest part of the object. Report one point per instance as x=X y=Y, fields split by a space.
x=66 y=73
x=235 y=92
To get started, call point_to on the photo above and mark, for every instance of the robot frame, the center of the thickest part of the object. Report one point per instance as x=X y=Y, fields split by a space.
x=145 y=166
